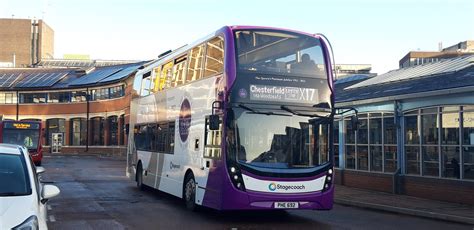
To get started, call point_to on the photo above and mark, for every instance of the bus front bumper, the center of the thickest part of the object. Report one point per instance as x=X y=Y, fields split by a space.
x=249 y=200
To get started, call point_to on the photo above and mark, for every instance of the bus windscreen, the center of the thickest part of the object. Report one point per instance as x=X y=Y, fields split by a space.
x=21 y=136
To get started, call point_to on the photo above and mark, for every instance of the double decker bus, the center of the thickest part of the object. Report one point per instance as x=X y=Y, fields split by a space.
x=241 y=119
x=25 y=133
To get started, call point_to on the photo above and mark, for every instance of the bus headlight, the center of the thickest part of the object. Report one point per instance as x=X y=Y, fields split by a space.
x=329 y=175
x=236 y=177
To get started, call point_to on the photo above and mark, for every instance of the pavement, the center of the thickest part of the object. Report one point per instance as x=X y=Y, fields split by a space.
x=446 y=211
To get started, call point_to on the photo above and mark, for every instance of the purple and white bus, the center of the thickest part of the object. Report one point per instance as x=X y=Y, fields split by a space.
x=241 y=119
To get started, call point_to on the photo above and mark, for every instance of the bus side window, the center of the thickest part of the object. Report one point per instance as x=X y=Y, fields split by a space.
x=161 y=138
x=146 y=83
x=151 y=133
x=165 y=76
x=214 y=57
x=196 y=57
x=164 y=137
x=179 y=71
x=212 y=141
x=137 y=85
x=140 y=137
x=155 y=79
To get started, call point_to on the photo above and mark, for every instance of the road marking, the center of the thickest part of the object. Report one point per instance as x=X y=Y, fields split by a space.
x=52 y=219
x=49 y=207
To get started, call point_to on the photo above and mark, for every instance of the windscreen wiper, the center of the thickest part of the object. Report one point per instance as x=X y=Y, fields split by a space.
x=285 y=108
x=260 y=112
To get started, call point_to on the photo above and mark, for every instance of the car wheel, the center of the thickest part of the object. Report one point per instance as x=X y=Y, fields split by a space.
x=140 y=178
x=190 y=192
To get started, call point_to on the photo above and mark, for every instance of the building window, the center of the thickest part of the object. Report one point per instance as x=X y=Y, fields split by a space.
x=450 y=141
x=375 y=145
x=362 y=137
x=113 y=130
x=446 y=142
x=323 y=143
x=55 y=125
x=429 y=140
x=8 y=98
x=375 y=137
x=59 y=97
x=336 y=143
x=100 y=94
x=97 y=130
x=78 y=96
x=33 y=98
x=349 y=144
x=78 y=131
x=122 y=130
x=116 y=92
x=412 y=149
x=468 y=142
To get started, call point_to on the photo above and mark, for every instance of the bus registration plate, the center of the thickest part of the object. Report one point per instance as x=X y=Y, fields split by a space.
x=286 y=205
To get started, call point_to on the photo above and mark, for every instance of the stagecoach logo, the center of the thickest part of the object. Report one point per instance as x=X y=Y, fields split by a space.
x=242 y=93
x=273 y=186
x=184 y=120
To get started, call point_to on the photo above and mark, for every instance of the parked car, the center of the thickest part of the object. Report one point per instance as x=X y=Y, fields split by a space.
x=22 y=197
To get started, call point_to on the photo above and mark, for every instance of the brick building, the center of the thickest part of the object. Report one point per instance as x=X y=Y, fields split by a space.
x=24 y=42
x=414 y=58
x=87 y=108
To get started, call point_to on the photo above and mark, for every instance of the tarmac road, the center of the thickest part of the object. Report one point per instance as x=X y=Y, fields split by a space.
x=95 y=194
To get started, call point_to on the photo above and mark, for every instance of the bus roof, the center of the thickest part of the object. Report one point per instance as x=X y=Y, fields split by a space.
x=243 y=27
x=183 y=49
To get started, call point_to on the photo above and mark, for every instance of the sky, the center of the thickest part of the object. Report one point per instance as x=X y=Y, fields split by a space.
x=375 y=32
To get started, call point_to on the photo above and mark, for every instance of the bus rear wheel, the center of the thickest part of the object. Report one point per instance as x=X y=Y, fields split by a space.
x=190 y=192
x=140 y=177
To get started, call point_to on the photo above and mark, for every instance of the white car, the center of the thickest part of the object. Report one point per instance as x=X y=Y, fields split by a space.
x=22 y=197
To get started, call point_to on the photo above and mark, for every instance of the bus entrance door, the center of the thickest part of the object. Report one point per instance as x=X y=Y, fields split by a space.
x=56 y=142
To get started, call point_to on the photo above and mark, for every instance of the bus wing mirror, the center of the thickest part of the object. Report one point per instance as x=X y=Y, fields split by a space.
x=39 y=170
x=355 y=122
x=214 y=122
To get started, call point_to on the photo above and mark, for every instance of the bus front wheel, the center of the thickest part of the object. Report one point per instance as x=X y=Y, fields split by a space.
x=190 y=192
